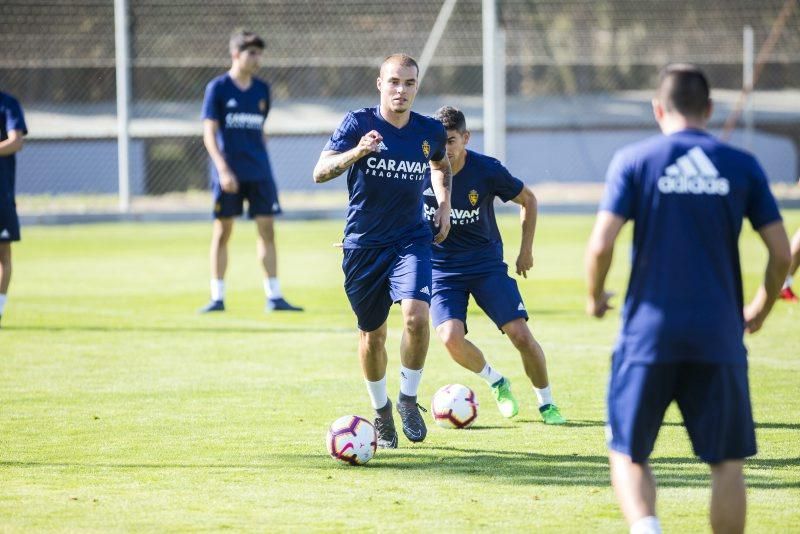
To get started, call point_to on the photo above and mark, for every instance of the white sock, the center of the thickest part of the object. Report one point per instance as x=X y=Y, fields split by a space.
x=377 y=393
x=646 y=525
x=217 y=289
x=3 y=299
x=544 y=395
x=409 y=381
x=272 y=288
x=490 y=375
x=788 y=282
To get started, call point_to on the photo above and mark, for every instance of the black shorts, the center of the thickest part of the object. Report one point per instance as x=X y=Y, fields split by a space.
x=714 y=400
x=9 y=221
x=261 y=196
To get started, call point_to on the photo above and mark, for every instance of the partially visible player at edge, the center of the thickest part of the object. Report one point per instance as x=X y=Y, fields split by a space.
x=470 y=262
x=386 y=151
x=235 y=107
x=12 y=130
x=684 y=317
x=786 y=290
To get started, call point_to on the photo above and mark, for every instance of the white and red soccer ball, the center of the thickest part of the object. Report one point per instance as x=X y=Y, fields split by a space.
x=352 y=440
x=454 y=406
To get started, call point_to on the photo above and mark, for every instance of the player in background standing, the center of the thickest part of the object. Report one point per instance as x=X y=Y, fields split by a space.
x=12 y=130
x=470 y=262
x=386 y=151
x=235 y=107
x=683 y=320
x=786 y=290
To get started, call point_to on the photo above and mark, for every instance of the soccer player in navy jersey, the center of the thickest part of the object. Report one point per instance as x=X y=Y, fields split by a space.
x=12 y=130
x=386 y=151
x=235 y=107
x=684 y=317
x=470 y=263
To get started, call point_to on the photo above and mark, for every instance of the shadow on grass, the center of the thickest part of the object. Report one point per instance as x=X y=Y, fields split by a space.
x=586 y=422
x=220 y=328
x=511 y=467
x=530 y=468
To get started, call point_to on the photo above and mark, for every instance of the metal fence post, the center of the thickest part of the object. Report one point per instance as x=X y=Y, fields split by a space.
x=122 y=46
x=748 y=57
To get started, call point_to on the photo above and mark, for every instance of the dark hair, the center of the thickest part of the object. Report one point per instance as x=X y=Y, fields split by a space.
x=240 y=40
x=684 y=88
x=451 y=118
x=404 y=60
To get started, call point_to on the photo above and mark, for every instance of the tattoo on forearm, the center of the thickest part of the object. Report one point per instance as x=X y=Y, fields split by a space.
x=335 y=166
x=447 y=178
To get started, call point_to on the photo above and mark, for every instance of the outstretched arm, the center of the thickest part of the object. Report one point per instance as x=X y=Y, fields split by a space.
x=331 y=163
x=528 y=212
x=780 y=257
x=599 y=253
x=441 y=181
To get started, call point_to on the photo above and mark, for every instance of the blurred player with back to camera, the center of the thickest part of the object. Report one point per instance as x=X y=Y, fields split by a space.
x=684 y=318
x=470 y=263
x=235 y=107
x=387 y=243
x=12 y=131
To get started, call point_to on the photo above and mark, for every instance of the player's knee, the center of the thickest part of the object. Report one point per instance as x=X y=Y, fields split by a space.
x=452 y=338
x=519 y=334
x=416 y=323
x=5 y=254
x=374 y=340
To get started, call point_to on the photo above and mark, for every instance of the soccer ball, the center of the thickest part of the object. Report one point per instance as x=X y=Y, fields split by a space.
x=352 y=440
x=454 y=406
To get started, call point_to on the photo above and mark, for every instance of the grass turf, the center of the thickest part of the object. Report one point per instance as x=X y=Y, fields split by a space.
x=122 y=409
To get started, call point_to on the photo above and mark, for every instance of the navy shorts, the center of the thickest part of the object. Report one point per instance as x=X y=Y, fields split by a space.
x=261 y=196
x=714 y=400
x=497 y=294
x=9 y=221
x=375 y=278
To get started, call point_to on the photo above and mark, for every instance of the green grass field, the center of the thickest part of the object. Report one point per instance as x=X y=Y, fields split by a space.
x=122 y=409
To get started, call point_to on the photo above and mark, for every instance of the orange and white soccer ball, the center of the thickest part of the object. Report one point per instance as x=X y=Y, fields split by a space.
x=352 y=440
x=454 y=406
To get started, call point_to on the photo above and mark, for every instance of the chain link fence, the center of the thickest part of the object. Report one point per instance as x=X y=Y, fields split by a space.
x=579 y=76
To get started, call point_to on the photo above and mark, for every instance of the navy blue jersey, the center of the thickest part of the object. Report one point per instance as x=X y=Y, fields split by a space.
x=11 y=118
x=386 y=187
x=687 y=194
x=474 y=245
x=241 y=116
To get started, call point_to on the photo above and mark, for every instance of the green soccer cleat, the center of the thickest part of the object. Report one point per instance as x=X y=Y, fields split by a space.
x=551 y=415
x=506 y=402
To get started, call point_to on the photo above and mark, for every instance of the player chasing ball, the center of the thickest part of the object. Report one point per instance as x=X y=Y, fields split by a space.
x=470 y=263
x=386 y=151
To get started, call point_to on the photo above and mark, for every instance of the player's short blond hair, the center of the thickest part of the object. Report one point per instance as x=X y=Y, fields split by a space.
x=404 y=60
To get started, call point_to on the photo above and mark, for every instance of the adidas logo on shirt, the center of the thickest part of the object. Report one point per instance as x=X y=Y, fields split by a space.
x=231 y=103
x=521 y=307
x=693 y=174
x=5 y=234
x=382 y=147
x=429 y=192
x=425 y=290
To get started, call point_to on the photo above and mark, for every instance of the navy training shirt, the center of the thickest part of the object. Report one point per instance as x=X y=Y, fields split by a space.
x=474 y=245
x=241 y=116
x=385 y=187
x=11 y=118
x=687 y=194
